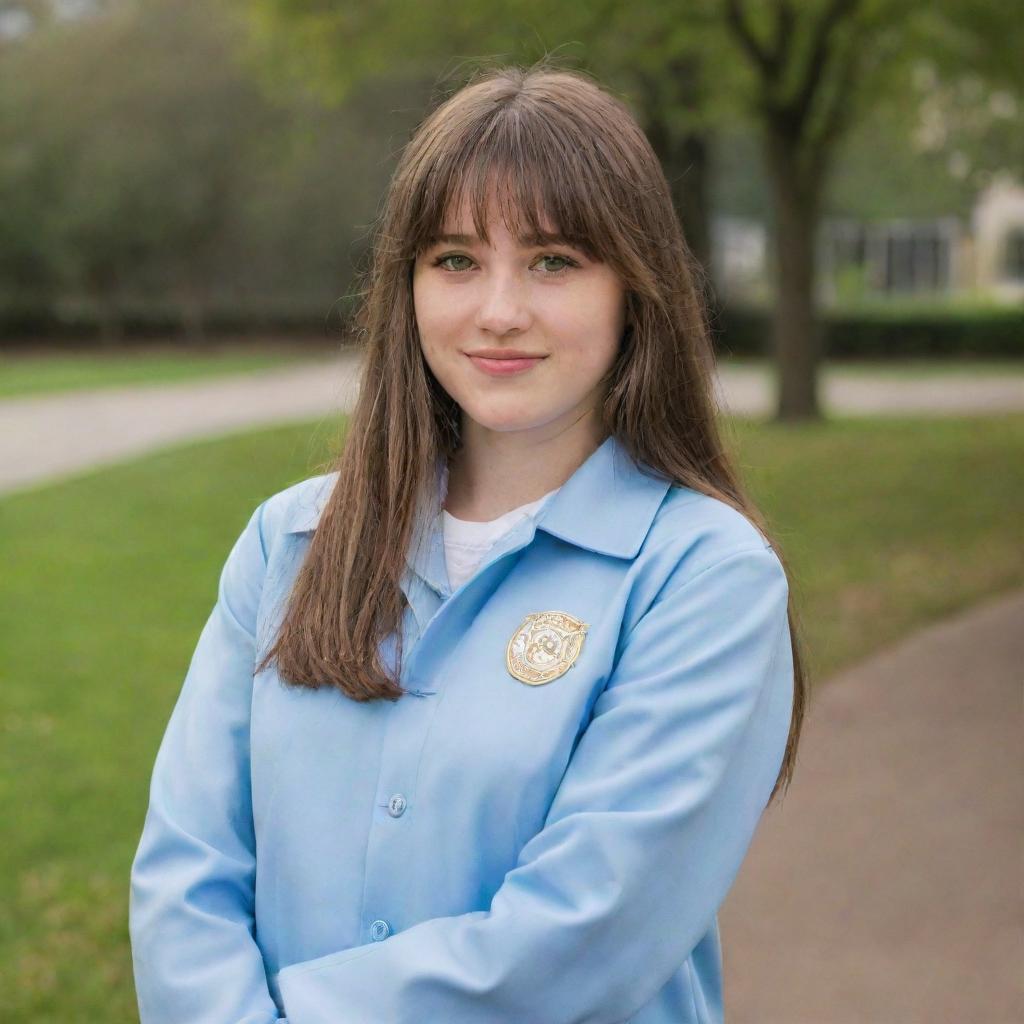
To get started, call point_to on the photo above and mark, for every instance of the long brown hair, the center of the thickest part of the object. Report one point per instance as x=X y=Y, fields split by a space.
x=555 y=144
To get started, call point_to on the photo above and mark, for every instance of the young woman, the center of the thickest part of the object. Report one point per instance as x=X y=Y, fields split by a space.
x=482 y=722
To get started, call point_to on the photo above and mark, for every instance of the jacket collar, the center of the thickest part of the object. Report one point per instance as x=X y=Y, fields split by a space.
x=311 y=498
x=607 y=505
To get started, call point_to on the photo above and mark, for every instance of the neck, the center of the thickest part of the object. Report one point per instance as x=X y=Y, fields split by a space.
x=496 y=471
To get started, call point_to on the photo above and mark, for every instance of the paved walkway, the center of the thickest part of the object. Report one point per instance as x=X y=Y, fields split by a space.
x=885 y=888
x=852 y=392
x=52 y=436
x=45 y=438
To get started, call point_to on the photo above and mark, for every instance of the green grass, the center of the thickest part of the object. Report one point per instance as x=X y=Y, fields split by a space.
x=886 y=524
x=34 y=374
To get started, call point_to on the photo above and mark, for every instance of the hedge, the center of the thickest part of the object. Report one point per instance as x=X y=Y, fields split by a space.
x=880 y=333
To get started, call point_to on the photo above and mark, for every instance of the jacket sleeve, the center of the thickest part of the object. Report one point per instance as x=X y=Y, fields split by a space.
x=641 y=843
x=191 y=902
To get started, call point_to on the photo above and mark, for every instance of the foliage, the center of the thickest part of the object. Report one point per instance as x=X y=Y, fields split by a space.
x=184 y=159
x=139 y=163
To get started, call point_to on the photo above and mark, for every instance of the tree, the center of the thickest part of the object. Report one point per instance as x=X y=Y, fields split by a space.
x=679 y=70
x=651 y=55
x=132 y=132
x=807 y=68
x=816 y=70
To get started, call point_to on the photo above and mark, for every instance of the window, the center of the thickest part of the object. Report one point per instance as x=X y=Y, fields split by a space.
x=1013 y=254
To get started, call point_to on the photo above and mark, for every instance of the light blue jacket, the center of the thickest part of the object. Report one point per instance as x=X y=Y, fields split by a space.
x=539 y=832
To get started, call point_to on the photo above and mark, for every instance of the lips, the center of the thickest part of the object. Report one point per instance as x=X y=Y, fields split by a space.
x=504 y=365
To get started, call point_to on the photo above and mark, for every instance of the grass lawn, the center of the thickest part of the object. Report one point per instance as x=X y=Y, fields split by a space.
x=31 y=374
x=887 y=524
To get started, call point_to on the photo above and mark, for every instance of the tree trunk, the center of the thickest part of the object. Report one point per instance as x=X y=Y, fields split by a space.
x=689 y=181
x=684 y=157
x=796 y=329
x=111 y=324
x=685 y=162
x=103 y=288
x=191 y=301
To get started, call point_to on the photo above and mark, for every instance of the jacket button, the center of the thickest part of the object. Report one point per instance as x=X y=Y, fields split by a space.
x=397 y=805
x=379 y=930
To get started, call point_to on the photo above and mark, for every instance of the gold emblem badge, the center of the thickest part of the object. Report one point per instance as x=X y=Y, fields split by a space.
x=545 y=646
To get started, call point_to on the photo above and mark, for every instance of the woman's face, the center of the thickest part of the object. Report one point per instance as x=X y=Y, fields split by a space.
x=519 y=335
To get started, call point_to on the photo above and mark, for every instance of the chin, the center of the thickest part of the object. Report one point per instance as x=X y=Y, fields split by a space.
x=492 y=419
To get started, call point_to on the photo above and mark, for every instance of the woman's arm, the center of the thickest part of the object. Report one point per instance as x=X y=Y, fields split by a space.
x=642 y=842
x=191 y=907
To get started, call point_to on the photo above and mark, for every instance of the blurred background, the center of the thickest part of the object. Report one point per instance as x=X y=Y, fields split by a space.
x=187 y=192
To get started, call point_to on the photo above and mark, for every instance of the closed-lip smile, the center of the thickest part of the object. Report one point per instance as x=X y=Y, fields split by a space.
x=500 y=362
x=504 y=353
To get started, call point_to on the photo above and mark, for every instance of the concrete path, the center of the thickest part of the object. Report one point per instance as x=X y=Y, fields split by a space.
x=886 y=886
x=45 y=438
x=52 y=436
x=851 y=392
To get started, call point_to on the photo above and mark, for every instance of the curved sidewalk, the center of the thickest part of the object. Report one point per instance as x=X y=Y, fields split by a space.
x=43 y=438
x=48 y=437
x=885 y=888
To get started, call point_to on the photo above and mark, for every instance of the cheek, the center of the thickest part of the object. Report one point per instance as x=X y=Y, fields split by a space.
x=593 y=326
x=435 y=325
x=439 y=317
x=423 y=306
x=430 y=323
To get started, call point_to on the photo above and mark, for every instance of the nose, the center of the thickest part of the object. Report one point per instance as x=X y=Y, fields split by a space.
x=504 y=304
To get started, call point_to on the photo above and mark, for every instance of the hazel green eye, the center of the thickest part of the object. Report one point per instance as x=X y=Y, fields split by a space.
x=443 y=260
x=566 y=262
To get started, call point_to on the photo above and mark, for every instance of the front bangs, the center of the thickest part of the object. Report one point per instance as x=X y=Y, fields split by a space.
x=539 y=181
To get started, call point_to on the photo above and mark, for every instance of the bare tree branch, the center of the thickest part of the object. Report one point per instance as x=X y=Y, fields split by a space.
x=736 y=19
x=785 y=19
x=822 y=41
x=838 y=113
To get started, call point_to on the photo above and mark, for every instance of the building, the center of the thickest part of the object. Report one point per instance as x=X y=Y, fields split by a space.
x=944 y=256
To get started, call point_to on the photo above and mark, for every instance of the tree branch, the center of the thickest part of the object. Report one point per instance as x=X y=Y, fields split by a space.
x=834 y=15
x=785 y=19
x=839 y=110
x=736 y=19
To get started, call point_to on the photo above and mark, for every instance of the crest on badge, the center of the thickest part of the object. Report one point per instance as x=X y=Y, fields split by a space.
x=545 y=646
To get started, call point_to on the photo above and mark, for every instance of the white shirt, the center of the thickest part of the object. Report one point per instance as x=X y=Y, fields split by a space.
x=466 y=542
